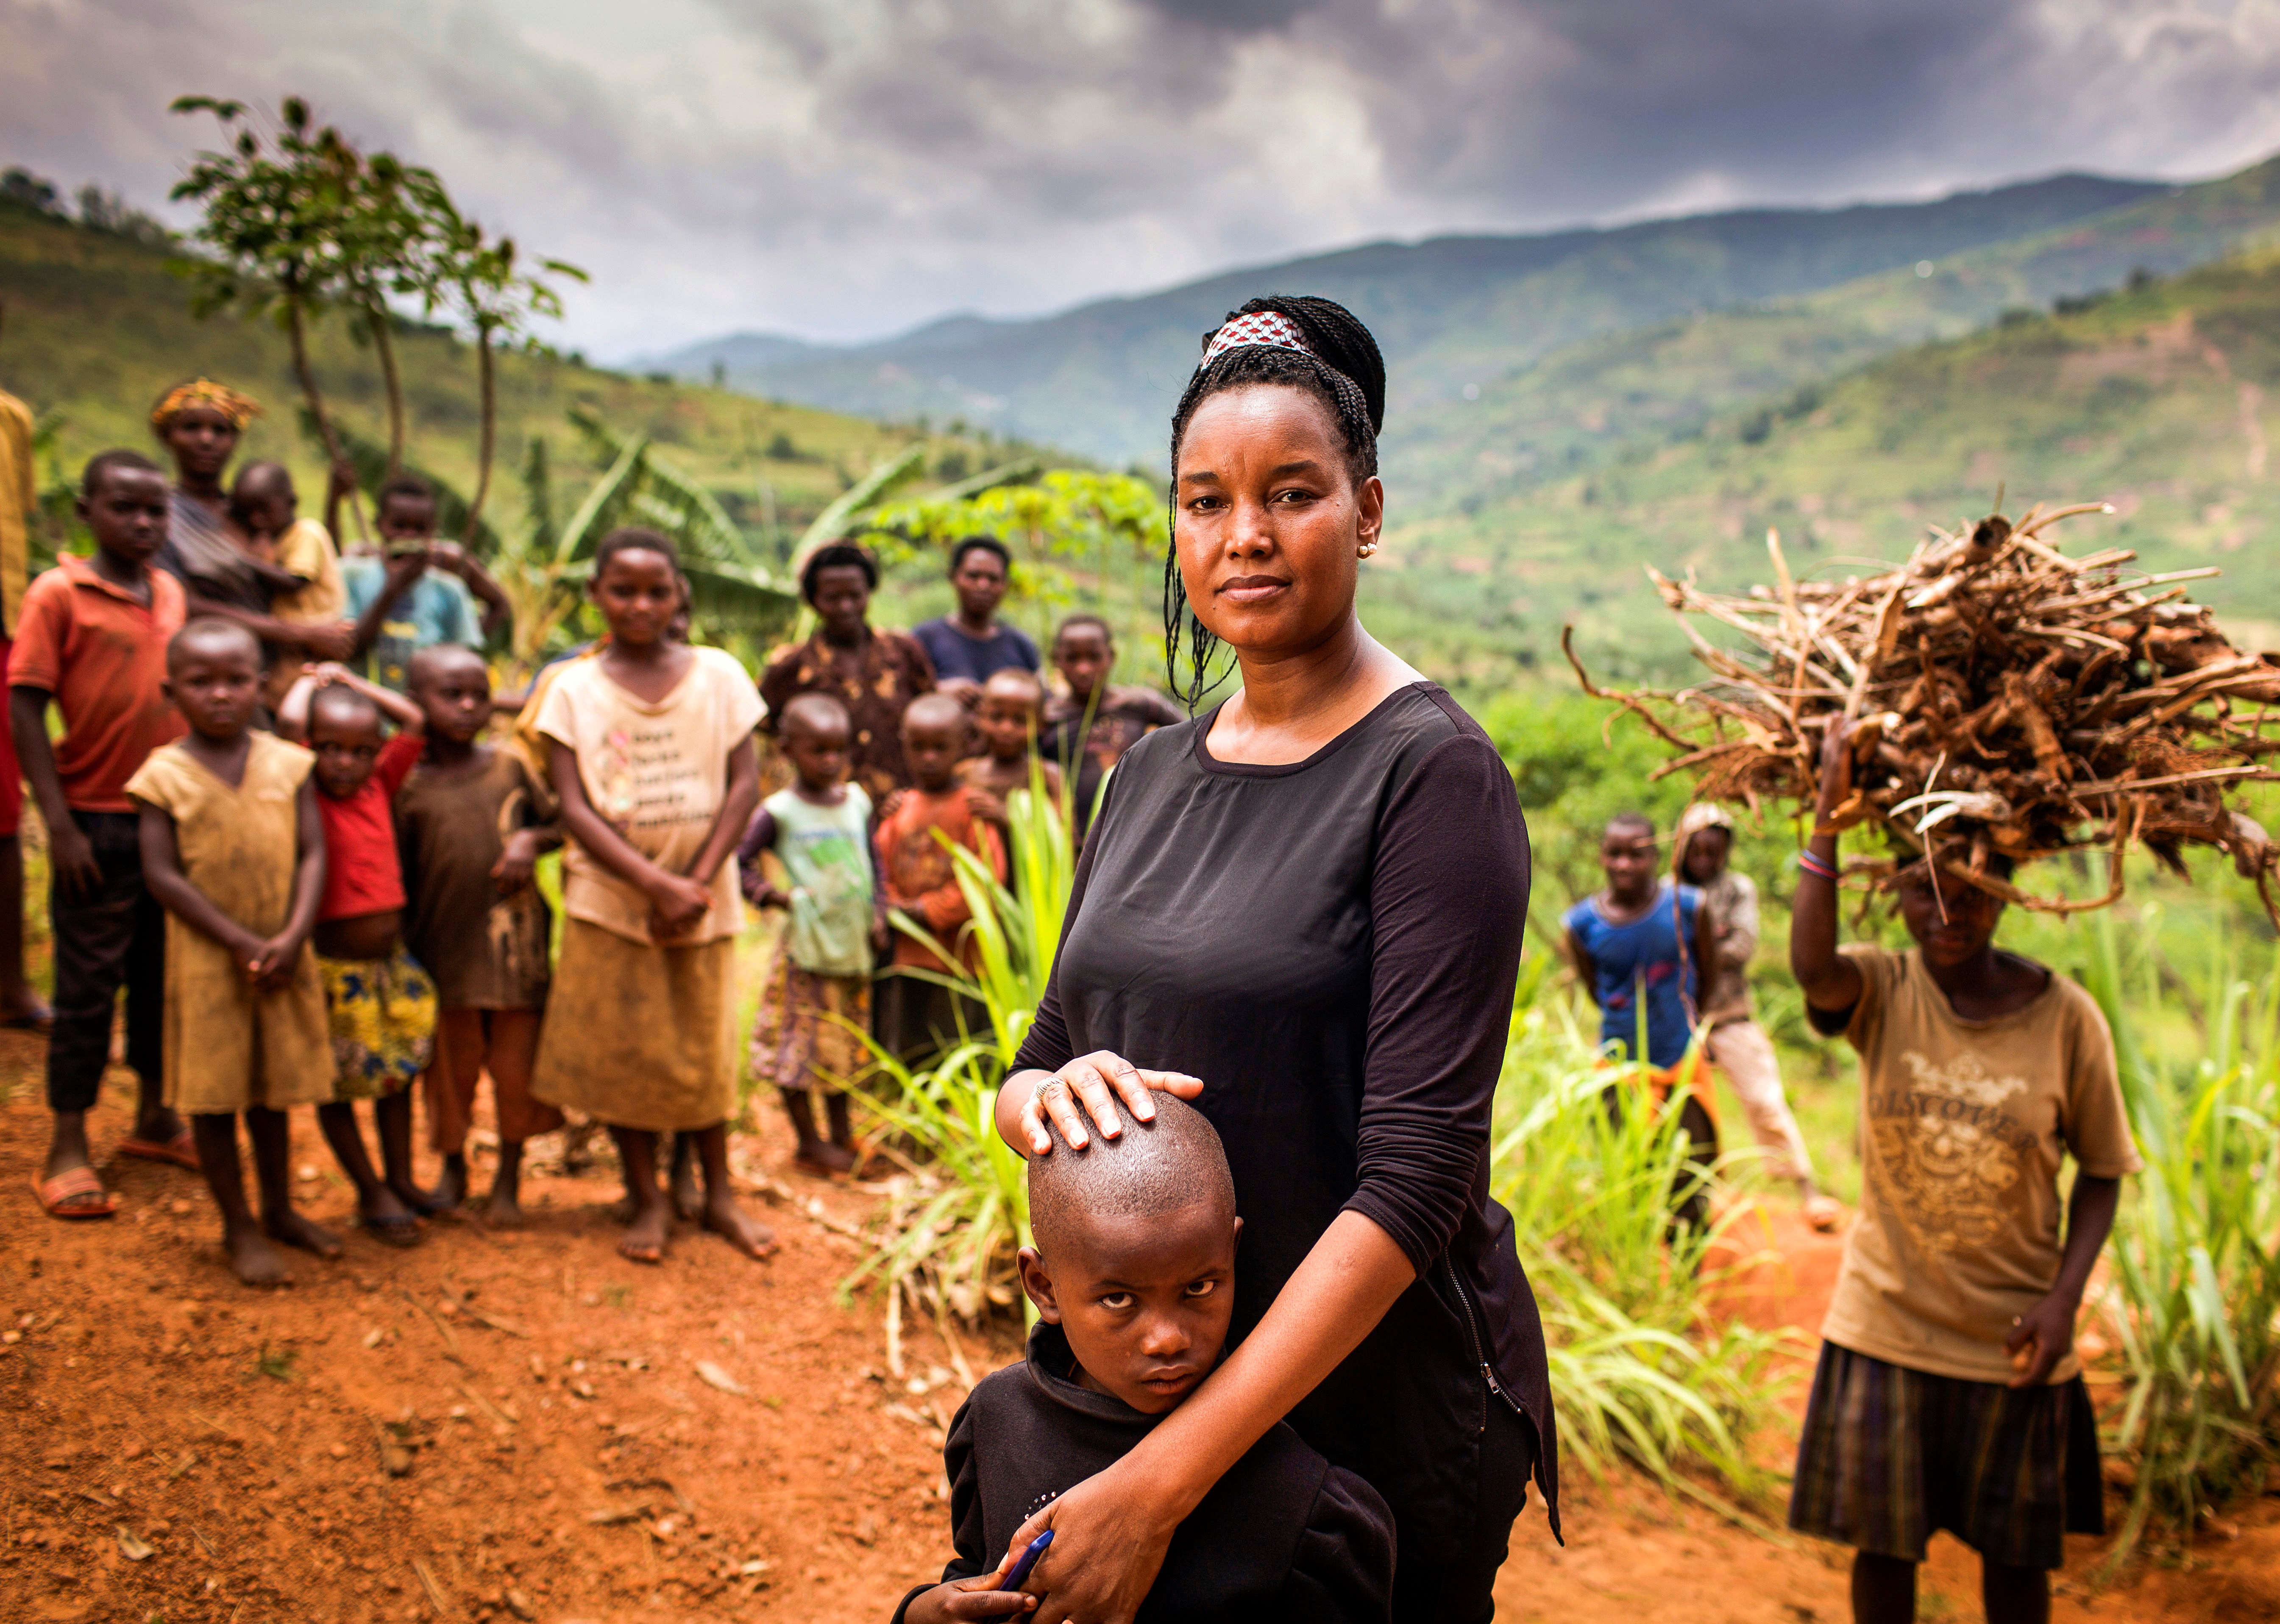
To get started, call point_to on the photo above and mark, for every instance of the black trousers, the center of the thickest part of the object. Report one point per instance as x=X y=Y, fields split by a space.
x=1463 y=1591
x=115 y=938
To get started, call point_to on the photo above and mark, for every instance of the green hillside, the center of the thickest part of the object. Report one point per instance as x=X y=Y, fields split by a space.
x=96 y=328
x=1568 y=411
x=2158 y=399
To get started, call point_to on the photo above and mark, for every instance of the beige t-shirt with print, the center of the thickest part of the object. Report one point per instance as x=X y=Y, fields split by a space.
x=657 y=773
x=1963 y=1126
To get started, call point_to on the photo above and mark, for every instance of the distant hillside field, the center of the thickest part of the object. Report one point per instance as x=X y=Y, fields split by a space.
x=2160 y=400
x=95 y=329
x=1450 y=313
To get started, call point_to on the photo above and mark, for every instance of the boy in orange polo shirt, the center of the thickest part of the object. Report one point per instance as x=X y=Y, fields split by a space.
x=92 y=638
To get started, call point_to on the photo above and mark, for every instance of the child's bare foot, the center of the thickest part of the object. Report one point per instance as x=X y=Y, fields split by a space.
x=450 y=1190
x=253 y=1259
x=292 y=1229
x=388 y=1218
x=645 y=1238
x=823 y=1159
x=748 y=1235
x=503 y=1210
x=688 y=1198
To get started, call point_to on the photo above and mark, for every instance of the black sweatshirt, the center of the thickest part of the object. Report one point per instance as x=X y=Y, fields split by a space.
x=1283 y=1535
x=1331 y=946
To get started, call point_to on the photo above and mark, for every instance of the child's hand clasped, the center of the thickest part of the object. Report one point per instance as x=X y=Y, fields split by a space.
x=2042 y=1338
x=676 y=902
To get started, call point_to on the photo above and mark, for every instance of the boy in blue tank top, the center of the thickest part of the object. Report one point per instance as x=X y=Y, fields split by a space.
x=816 y=1001
x=1642 y=949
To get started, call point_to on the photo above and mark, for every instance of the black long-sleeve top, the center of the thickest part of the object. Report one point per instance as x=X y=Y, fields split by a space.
x=1286 y=1538
x=1331 y=946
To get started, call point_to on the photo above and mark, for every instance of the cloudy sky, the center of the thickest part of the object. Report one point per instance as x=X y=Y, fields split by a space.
x=847 y=168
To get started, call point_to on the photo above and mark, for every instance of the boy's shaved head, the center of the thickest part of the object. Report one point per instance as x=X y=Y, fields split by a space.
x=432 y=662
x=935 y=710
x=342 y=706
x=1014 y=680
x=814 y=712
x=210 y=636
x=1162 y=1166
x=262 y=478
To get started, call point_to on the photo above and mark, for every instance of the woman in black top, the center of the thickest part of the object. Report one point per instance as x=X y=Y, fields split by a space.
x=1303 y=911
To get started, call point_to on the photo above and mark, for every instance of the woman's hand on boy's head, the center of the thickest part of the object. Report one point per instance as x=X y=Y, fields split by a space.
x=1092 y=1086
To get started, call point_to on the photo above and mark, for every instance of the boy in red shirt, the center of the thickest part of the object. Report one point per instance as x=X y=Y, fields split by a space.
x=380 y=1003
x=915 y=1012
x=92 y=638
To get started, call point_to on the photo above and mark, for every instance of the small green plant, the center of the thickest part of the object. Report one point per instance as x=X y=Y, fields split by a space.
x=278 y=1364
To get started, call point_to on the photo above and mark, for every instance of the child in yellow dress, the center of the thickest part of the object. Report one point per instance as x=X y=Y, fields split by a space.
x=233 y=849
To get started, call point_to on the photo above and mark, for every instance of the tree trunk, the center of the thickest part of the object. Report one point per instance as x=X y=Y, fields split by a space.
x=490 y=431
x=297 y=330
x=382 y=342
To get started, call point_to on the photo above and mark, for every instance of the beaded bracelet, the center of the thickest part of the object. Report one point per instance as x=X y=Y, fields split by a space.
x=1813 y=864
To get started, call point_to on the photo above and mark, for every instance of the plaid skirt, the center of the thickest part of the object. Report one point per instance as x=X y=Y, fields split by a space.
x=1890 y=1454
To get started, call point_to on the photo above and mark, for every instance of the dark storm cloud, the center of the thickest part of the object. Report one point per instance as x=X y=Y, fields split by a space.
x=854 y=167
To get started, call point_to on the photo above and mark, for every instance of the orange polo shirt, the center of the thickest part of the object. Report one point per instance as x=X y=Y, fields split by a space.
x=103 y=656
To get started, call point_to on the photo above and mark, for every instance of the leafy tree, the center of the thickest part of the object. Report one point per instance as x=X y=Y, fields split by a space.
x=282 y=228
x=479 y=279
x=1071 y=533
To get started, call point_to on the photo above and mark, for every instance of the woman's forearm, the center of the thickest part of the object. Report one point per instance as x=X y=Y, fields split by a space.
x=1337 y=1296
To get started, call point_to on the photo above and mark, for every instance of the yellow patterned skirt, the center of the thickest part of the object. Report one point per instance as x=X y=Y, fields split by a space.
x=382 y=1012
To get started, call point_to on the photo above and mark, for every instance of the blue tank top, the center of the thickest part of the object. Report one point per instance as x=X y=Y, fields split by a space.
x=1643 y=954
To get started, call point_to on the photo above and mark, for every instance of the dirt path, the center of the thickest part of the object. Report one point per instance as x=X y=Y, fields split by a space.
x=182 y=1449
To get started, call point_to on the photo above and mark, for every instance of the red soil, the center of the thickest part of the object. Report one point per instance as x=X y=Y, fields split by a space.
x=180 y=1448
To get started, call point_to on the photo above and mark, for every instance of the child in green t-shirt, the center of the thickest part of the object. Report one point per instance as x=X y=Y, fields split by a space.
x=816 y=1001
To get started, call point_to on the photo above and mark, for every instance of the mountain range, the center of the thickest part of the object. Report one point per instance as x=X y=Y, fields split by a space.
x=1450 y=313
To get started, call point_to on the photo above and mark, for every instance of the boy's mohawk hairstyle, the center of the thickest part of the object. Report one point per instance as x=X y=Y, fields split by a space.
x=1159 y=1166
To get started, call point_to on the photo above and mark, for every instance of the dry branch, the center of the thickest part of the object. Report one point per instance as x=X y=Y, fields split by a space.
x=2006 y=699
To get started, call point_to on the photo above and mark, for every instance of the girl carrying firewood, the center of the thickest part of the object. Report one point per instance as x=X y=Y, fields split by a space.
x=1948 y=1395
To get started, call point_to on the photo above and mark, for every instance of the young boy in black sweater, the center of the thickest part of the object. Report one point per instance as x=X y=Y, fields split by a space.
x=1132 y=1276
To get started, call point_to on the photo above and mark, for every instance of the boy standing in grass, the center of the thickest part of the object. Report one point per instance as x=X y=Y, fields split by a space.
x=816 y=1001
x=1736 y=1044
x=916 y=1012
x=92 y=639
x=1007 y=720
x=1642 y=949
x=472 y=832
x=1089 y=728
x=1948 y=1395
x=233 y=847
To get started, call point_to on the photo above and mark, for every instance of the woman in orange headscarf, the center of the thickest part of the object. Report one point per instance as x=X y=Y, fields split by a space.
x=200 y=424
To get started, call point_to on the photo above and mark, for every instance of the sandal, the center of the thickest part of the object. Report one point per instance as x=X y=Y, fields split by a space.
x=66 y=1195
x=180 y=1151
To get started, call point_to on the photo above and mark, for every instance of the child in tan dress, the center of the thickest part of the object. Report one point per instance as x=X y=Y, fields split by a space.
x=654 y=763
x=233 y=849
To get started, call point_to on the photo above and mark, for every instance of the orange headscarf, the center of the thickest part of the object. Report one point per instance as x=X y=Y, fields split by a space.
x=239 y=409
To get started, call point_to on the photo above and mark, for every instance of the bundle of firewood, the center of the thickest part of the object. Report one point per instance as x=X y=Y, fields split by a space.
x=2001 y=696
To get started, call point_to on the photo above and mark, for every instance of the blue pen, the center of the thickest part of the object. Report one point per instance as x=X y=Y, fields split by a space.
x=1013 y=1580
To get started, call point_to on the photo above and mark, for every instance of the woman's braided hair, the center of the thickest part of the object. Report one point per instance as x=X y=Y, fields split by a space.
x=1341 y=367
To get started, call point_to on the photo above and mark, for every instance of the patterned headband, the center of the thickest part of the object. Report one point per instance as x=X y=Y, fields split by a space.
x=239 y=409
x=1265 y=327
